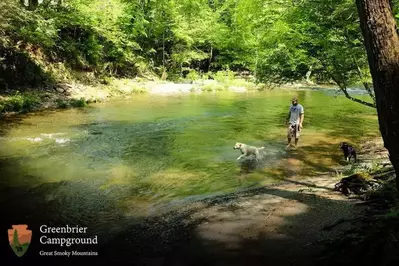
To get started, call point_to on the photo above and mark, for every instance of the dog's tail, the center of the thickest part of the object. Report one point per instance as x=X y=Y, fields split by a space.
x=261 y=148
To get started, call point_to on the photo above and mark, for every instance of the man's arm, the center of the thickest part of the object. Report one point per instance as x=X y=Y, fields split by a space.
x=301 y=116
x=288 y=117
x=301 y=119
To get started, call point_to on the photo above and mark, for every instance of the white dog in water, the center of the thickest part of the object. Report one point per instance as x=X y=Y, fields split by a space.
x=247 y=150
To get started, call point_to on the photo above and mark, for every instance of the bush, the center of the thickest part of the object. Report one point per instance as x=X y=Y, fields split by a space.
x=224 y=76
x=61 y=103
x=19 y=103
x=193 y=75
x=214 y=87
x=78 y=103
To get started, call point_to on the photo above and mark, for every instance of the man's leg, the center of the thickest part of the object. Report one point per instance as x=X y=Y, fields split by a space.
x=289 y=137
x=297 y=134
x=289 y=142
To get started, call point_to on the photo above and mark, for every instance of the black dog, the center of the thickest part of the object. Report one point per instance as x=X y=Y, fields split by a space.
x=348 y=150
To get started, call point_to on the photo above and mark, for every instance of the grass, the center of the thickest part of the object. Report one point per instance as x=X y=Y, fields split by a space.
x=73 y=103
x=78 y=102
x=62 y=103
x=214 y=87
x=125 y=86
x=29 y=101
x=19 y=102
x=221 y=81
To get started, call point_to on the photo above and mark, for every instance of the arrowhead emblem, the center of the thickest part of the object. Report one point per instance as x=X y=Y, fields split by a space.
x=19 y=238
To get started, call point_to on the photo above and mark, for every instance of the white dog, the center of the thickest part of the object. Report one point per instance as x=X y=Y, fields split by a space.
x=247 y=150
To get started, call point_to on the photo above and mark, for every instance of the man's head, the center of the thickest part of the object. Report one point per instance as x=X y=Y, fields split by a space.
x=294 y=100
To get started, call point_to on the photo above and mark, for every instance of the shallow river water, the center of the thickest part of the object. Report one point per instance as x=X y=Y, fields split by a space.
x=134 y=157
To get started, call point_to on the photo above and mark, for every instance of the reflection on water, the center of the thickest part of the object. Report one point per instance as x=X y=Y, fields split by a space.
x=127 y=157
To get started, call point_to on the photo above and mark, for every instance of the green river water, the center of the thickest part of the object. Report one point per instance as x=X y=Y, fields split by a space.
x=133 y=156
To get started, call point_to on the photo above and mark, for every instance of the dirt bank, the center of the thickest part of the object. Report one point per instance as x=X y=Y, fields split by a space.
x=272 y=225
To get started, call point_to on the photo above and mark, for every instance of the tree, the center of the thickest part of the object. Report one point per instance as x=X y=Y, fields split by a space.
x=322 y=36
x=15 y=241
x=381 y=40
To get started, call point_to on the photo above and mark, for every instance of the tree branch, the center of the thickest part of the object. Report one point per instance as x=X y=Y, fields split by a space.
x=343 y=88
x=357 y=100
x=345 y=91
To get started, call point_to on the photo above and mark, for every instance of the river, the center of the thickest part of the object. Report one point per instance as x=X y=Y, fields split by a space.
x=135 y=157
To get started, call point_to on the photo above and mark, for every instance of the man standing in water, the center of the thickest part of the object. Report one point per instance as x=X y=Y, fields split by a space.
x=294 y=120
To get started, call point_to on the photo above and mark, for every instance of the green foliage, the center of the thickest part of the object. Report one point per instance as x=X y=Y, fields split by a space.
x=214 y=87
x=62 y=103
x=224 y=76
x=322 y=36
x=19 y=103
x=393 y=214
x=192 y=75
x=20 y=25
x=279 y=41
x=78 y=102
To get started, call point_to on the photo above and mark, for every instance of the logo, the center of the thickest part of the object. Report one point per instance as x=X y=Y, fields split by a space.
x=19 y=237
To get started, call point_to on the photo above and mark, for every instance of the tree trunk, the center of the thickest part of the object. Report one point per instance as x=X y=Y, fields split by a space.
x=181 y=70
x=210 y=58
x=256 y=64
x=382 y=44
x=308 y=74
x=163 y=50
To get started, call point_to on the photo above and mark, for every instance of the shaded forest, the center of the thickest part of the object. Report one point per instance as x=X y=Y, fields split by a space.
x=45 y=41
